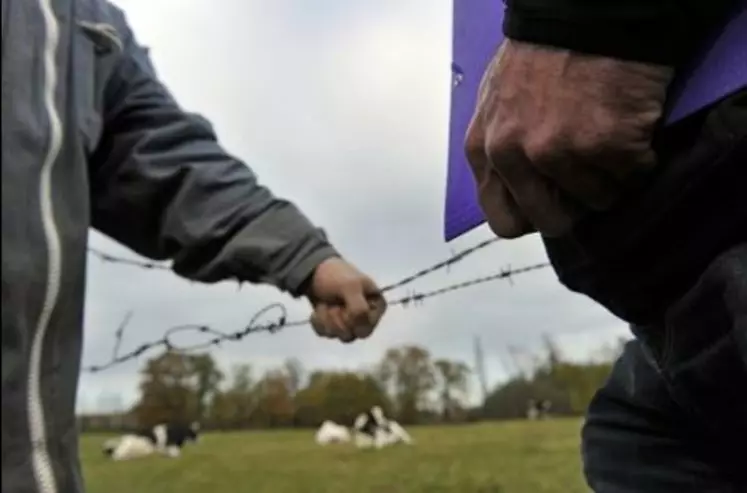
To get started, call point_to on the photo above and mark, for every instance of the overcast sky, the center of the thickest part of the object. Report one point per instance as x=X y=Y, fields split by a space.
x=341 y=106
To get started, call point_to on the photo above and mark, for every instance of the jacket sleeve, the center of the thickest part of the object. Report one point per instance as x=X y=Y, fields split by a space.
x=656 y=31
x=162 y=185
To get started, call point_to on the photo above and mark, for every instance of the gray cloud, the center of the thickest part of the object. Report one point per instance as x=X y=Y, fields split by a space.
x=344 y=109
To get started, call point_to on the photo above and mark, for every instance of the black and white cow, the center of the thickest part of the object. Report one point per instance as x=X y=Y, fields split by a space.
x=538 y=409
x=373 y=429
x=166 y=439
x=330 y=432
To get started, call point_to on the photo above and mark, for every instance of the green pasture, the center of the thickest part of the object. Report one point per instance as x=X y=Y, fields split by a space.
x=505 y=457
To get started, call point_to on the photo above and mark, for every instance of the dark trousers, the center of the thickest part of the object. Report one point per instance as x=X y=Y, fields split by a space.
x=672 y=261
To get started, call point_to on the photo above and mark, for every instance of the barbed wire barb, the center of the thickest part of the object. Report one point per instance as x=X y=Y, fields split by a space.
x=119 y=334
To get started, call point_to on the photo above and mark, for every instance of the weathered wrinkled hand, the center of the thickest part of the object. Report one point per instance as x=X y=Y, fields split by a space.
x=557 y=133
x=347 y=303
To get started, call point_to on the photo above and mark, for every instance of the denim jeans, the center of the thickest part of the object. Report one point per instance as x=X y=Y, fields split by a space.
x=675 y=418
x=672 y=261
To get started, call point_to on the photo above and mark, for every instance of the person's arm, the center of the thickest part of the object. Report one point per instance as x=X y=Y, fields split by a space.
x=657 y=31
x=162 y=185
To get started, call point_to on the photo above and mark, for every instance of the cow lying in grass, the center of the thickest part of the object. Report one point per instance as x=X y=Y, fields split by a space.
x=373 y=429
x=165 y=439
x=331 y=432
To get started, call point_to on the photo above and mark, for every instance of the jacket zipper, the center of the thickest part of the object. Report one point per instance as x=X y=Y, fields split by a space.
x=40 y=458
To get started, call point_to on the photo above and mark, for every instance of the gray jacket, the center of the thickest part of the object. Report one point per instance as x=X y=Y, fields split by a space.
x=90 y=137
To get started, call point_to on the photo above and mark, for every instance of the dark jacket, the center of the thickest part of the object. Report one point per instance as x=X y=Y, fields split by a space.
x=639 y=257
x=645 y=253
x=90 y=137
x=658 y=31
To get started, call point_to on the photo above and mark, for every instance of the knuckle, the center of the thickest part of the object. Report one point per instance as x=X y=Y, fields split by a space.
x=503 y=138
x=595 y=140
x=359 y=310
x=319 y=329
x=554 y=144
x=351 y=285
x=474 y=147
x=545 y=149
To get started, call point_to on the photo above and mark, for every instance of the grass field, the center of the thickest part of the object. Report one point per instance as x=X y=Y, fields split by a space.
x=520 y=457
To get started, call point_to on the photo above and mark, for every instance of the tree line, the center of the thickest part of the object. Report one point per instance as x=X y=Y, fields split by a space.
x=408 y=383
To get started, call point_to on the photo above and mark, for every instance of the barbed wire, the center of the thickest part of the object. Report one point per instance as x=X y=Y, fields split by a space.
x=216 y=337
x=444 y=264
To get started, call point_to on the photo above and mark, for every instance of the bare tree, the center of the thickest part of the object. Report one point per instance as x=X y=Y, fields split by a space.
x=454 y=380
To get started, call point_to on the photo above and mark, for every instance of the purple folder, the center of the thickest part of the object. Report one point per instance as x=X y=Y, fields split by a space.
x=720 y=70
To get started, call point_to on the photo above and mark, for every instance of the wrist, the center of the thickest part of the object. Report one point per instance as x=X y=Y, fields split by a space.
x=308 y=269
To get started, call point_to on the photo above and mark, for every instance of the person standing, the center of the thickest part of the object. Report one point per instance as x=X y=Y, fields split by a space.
x=92 y=137
x=650 y=222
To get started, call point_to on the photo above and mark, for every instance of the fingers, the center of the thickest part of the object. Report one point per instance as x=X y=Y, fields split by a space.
x=576 y=175
x=514 y=197
x=355 y=317
x=501 y=210
x=328 y=321
x=545 y=149
x=543 y=203
x=356 y=312
x=378 y=309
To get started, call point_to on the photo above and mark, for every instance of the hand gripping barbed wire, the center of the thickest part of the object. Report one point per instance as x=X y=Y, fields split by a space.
x=216 y=337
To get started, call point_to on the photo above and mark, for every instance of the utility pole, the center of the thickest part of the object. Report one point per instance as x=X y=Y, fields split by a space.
x=480 y=369
x=553 y=354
